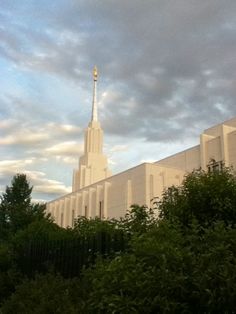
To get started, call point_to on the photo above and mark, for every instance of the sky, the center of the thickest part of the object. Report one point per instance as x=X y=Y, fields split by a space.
x=167 y=71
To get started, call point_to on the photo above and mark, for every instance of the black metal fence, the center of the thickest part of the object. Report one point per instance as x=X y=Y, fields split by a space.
x=67 y=256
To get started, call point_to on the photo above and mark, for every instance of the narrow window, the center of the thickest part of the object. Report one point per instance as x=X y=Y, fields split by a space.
x=73 y=218
x=86 y=211
x=101 y=209
x=62 y=218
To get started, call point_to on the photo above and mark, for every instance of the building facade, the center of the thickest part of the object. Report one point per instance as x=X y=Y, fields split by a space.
x=217 y=148
x=95 y=193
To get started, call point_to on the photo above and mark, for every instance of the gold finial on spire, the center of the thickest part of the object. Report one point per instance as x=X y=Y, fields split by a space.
x=95 y=73
x=94 y=108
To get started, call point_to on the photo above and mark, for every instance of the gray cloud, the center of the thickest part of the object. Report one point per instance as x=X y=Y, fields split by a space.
x=167 y=67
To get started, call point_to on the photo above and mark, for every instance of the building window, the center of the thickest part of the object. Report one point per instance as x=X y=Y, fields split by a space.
x=62 y=218
x=215 y=165
x=73 y=218
x=101 y=209
x=86 y=211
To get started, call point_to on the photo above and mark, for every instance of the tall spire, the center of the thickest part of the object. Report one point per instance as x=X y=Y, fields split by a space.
x=92 y=164
x=95 y=108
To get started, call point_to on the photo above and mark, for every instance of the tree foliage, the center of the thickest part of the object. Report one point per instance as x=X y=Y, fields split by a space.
x=184 y=262
x=167 y=272
x=138 y=220
x=16 y=209
x=204 y=196
x=17 y=212
x=87 y=227
x=46 y=294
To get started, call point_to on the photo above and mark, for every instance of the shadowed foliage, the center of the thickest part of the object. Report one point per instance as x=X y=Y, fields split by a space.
x=16 y=209
x=184 y=262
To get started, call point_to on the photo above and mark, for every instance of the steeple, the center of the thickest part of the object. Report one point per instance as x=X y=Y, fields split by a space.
x=94 y=106
x=93 y=165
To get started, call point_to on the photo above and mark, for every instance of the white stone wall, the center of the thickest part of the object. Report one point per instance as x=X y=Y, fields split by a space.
x=113 y=196
x=216 y=143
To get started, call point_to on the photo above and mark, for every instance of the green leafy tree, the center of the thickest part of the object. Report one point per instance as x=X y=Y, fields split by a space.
x=138 y=220
x=16 y=209
x=46 y=294
x=10 y=276
x=184 y=263
x=204 y=196
x=138 y=281
x=86 y=227
x=17 y=212
x=168 y=271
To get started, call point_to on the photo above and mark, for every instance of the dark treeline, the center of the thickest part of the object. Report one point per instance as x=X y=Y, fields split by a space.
x=178 y=258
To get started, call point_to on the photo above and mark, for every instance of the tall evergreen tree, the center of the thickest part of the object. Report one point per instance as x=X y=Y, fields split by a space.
x=16 y=208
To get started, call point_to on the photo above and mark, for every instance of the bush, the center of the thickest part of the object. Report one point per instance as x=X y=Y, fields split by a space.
x=204 y=196
x=168 y=272
x=46 y=294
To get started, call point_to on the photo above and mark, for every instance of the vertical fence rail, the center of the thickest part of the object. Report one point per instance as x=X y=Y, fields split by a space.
x=68 y=256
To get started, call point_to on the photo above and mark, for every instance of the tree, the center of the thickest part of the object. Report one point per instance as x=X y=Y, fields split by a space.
x=206 y=197
x=183 y=263
x=138 y=220
x=16 y=209
x=87 y=227
x=168 y=271
x=46 y=294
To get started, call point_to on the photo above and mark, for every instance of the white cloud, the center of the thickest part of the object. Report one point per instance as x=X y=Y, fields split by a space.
x=46 y=186
x=62 y=129
x=42 y=185
x=24 y=137
x=169 y=74
x=119 y=148
x=53 y=188
x=8 y=123
x=13 y=166
x=70 y=148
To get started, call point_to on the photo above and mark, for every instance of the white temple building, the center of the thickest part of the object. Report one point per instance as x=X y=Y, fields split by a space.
x=95 y=192
x=93 y=164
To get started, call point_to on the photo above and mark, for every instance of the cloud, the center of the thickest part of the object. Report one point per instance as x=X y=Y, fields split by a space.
x=118 y=148
x=31 y=135
x=7 y=124
x=13 y=166
x=62 y=130
x=65 y=149
x=44 y=188
x=23 y=138
x=167 y=71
